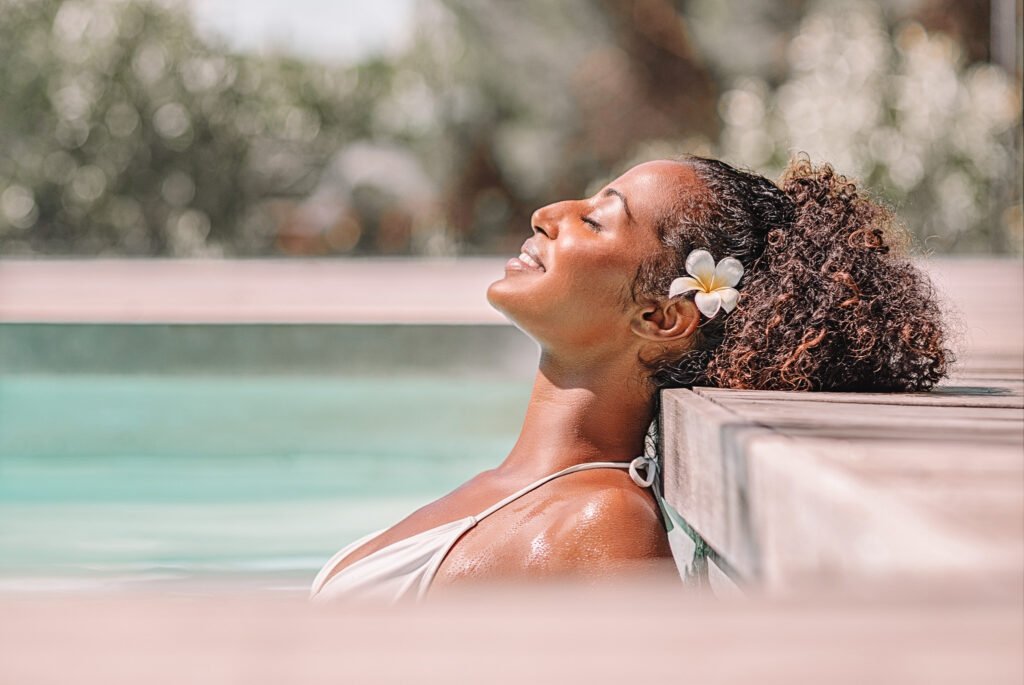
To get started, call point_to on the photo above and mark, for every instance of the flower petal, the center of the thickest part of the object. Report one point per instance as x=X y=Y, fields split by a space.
x=728 y=273
x=708 y=303
x=729 y=298
x=684 y=284
x=701 y=265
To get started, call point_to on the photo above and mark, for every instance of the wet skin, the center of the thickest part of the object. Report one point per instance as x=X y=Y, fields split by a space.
x=590 y=401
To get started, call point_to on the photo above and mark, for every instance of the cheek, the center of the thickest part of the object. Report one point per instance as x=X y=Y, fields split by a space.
x=597 y=277
x=597 y=292
x=588 y=290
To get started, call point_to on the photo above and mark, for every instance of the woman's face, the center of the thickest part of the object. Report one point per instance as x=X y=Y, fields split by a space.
x=587 y=254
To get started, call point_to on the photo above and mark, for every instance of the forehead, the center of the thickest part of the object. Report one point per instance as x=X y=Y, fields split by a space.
x=653 y=188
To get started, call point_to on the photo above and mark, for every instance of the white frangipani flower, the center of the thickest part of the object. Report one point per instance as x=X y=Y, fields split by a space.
x=715 y=285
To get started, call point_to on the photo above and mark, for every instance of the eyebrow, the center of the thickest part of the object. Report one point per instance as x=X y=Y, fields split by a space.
x=625 y=205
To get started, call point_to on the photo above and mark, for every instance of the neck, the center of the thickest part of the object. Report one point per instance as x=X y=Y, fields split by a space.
x=581 y=413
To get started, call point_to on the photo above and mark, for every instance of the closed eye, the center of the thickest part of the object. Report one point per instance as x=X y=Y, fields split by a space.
x=593 y=224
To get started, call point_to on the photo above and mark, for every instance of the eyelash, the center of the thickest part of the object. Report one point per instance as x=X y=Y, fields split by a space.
x=593 y=224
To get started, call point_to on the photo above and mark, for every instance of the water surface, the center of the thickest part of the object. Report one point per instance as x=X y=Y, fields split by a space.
x=115 y=482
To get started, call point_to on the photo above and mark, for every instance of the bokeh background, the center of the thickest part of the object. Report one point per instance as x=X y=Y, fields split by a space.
x=221 y=128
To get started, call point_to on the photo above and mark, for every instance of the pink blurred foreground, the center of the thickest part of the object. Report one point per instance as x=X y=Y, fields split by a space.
x=541 y=634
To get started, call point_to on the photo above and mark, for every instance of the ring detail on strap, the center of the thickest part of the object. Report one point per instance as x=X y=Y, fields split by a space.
x=650 y=467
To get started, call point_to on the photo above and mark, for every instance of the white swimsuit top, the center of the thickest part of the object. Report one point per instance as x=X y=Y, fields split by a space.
x=407 y=567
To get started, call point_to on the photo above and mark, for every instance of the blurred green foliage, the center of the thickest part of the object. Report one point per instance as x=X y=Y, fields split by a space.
x=122 y=132
x=900 y=109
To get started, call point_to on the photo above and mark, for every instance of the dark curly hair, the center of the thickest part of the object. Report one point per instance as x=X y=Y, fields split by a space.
x=828 y=301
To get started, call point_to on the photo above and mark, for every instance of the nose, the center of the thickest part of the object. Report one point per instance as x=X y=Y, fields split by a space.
x=545 y=220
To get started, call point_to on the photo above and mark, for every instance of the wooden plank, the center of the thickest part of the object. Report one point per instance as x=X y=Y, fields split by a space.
x=991 y=509
x=815 y=523
x=864 y=420
x=405 y=290
x=897 y=422
x=850 y=413
x=782 y=502
x=966 y=392
x=927 y=459
x=955 y=433
x=705 y=474
x=974 y=494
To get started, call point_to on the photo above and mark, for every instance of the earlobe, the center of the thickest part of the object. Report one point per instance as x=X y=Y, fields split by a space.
x=668 y=320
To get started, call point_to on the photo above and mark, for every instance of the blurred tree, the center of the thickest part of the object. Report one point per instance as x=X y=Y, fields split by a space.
x=534 y=100
x=900 y=109
x=968 y=22
x=121 y=132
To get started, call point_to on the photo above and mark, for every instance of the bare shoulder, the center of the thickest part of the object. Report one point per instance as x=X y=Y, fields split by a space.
x=605 y=528
x=596 y=527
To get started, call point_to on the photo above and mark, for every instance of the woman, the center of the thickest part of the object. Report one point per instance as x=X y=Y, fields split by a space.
x=678 y=273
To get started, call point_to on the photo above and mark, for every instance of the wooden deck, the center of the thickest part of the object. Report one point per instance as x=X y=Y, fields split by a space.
x=312 y=291
x=859 y=490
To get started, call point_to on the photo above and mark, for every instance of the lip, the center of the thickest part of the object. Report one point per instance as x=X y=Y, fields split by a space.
x=531 y=249
x=516 y=264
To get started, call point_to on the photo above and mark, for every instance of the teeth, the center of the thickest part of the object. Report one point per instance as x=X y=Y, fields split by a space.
x=527 y=259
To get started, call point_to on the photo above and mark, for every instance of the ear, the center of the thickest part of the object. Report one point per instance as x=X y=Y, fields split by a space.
x=666 y=321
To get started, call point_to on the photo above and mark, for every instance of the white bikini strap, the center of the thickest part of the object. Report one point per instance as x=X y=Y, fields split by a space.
x=641 y=462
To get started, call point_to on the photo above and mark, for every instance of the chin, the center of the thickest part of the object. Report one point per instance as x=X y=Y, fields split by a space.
x=498 y=296
x=506 y=297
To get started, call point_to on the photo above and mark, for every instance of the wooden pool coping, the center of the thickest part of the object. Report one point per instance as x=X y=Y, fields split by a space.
x=371 y=290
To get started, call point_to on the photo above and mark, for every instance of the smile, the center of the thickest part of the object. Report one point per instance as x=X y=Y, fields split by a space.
x=523 y=263
x=528 y=259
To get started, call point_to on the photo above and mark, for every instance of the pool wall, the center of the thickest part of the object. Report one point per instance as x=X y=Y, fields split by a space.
x=225 y=349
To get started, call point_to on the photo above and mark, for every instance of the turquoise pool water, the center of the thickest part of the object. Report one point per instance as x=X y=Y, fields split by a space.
x=115 y=482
